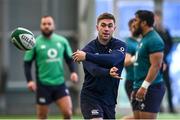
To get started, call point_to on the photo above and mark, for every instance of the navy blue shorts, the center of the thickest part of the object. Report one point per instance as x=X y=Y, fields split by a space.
x=92 y=108
x=152 y=100
x=48 y=94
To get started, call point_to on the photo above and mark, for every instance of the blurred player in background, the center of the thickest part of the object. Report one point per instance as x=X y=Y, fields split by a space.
x=48 y=54
x=148 y=85
x=132 y=44
x=103 y=61
x=166 y=36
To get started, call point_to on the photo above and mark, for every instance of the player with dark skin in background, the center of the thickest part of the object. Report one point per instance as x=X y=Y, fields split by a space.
x=132 y=44
x=148 y=86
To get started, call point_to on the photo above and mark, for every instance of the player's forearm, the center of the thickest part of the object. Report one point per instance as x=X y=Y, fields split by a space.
x=152 y=73
x=27 y=70
x=129 y=59
x=105 y=59
x=71 y=65
x=127 y=62
x=95 y=70
x=156 y=63
x=69 y=62
x=100 y=72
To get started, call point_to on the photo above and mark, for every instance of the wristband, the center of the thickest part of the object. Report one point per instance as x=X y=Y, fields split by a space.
x=145 y=84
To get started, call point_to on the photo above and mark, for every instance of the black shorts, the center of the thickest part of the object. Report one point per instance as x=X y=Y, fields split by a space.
x=92 y=108
x=152 y=100
x=48 y=94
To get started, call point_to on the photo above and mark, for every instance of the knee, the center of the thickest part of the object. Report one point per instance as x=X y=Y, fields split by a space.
x=42 y=115
x=67 y=113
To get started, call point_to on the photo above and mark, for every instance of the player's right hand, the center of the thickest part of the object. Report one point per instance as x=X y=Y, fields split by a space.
x=79 y=56
x=74 y=77
x=31 y=86
x=113 y=73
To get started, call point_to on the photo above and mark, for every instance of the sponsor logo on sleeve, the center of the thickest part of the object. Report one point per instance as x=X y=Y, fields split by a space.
x=121 y=49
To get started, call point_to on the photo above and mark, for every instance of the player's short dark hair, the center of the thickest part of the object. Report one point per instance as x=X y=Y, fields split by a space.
x=158 y=13
x=45 y=16
x=146 y=15
x=106 y=16
x=131 y=21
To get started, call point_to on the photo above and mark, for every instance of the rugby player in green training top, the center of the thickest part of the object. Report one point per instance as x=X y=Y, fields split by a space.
x=132 y=43
x=49 y=52
x=148 y=85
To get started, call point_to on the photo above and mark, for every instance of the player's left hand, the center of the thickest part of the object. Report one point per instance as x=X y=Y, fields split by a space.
x=113 y=73
x=79 y=56
x=74 y=77
x=141 y=94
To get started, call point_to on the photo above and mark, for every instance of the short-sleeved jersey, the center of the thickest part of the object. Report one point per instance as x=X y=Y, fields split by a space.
x=150 y=43
x=131 y=49
x=48 y=55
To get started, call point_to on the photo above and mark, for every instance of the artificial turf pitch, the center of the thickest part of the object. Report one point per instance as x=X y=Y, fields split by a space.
x=161 y=116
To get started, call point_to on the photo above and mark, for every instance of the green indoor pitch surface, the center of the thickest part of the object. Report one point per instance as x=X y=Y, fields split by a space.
x=162 y=116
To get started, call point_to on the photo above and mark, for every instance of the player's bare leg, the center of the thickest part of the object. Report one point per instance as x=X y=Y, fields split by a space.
x=136 y=114
x=148 y=115
x=65 y=106
x=42 y=111
x=129 y=117
x=144 y=115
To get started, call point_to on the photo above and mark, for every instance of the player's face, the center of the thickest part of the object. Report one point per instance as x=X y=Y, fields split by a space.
x=47 y=26
x=133 y=30
x=158 y=20
x=137 y=26
x=105 y=28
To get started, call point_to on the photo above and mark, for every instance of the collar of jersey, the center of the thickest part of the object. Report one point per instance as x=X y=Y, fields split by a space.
x=101 y=45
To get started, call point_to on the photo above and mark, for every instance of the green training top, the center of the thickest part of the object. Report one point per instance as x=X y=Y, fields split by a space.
x=149 y=44
x=49 y=54
x=131 y=49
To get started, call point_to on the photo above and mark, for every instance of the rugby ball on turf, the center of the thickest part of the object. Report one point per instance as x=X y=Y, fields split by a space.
x=23 y=38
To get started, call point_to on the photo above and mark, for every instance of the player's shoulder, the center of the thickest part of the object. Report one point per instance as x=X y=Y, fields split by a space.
x=128 y=40
x=39 y=39
x=92 y=43
x=154 y=36
x=59 y=37
x=116 y=42
x=154 y=39
x=131 y=40
x=158 y=37
x=90 y=46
